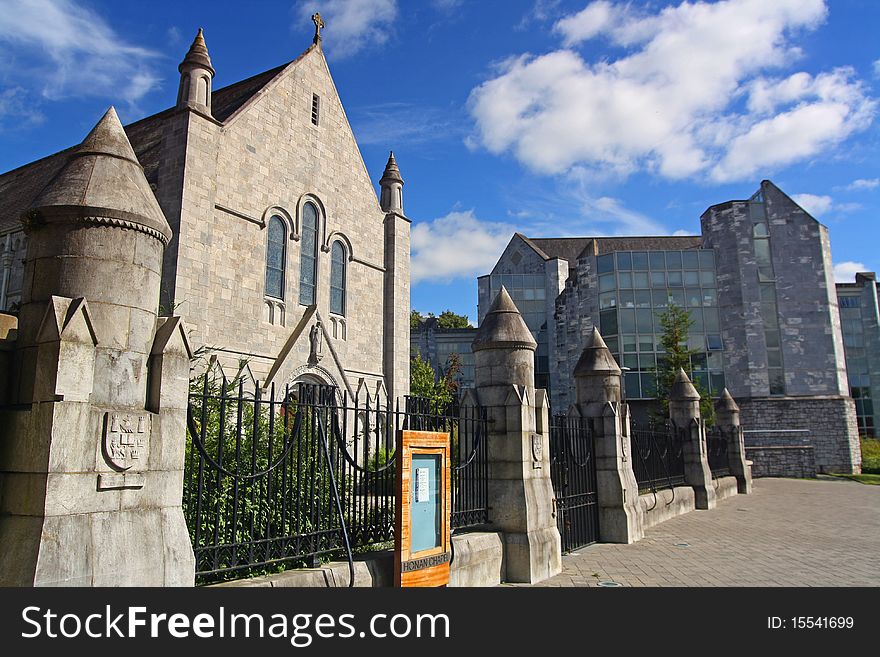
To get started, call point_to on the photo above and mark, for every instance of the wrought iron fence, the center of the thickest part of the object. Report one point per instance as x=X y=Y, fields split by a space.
x=658 y=456
x=467 y=425
x=573 y=473
x=282 y=477
x=716 y=447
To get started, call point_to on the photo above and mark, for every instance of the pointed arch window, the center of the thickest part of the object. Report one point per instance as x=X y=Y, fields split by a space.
x=337 y=278
x=275 y=256
x=308 y=259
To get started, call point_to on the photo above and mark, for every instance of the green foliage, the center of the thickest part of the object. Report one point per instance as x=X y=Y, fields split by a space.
x=235 y=508
x=870 y=456
x=677 y=323
x=450 y=320
x=446 y=320
x=424 y=382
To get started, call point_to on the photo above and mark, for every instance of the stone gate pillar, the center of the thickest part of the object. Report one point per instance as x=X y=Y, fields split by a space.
x=727 y=420
x=92 y=443
x=684 y=411
x=597 y=381
x=520 y=491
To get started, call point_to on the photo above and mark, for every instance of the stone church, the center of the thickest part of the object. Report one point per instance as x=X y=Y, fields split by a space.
x=283 y=261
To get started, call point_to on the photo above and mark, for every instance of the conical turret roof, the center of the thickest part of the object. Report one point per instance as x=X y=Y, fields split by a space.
x=596 y=358
x=198 y=54
x=503 y=327
x=682 y=388
x=392 y=173
x=103 y=179
x=726 y=402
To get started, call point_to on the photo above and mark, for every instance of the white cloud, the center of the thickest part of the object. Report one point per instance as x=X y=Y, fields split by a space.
x=688 y=96
x=595 y=18
x=73 y=50
x=457 y=245
x=845 y=272
x=877 y=68
x=815 y=205
x=819 y=205
x=352 y=25
x=863 y=184
x=15 y=106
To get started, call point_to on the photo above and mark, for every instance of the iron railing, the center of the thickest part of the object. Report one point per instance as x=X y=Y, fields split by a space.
x=573 y=474
x=658 y=456
x=716 y=449
x=467 y=425
x=274 y=477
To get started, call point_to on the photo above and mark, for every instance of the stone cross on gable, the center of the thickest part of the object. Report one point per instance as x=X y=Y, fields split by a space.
x=319 y=24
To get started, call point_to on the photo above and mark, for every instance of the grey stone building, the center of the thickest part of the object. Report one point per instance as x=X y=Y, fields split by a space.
x=758 y=284
x=436 y=345
x=860 y=324
x=282 y=255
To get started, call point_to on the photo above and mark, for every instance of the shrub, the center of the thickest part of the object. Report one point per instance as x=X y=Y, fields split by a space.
x=870 y=456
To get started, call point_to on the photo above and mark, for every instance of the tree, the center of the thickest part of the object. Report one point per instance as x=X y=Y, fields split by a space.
x=676 y=323
x=447 y=319
x=450 y=320
x=424 y=381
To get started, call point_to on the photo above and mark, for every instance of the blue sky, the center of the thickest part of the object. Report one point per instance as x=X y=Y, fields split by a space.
x=551 y=117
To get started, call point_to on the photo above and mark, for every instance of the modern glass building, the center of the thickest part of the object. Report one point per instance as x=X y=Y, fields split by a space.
x=635 y=289
x=758 y=284
x=860 y=325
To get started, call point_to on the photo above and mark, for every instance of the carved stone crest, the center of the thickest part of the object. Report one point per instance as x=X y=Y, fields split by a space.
x=537 y=450
x=126 y=439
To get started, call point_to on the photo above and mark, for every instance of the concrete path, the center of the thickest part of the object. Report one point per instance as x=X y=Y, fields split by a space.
x=789 y=532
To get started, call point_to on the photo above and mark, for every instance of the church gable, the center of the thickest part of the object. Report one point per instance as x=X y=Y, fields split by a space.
x=284 y=154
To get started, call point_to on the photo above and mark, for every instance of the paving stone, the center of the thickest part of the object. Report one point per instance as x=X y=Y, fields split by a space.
x=793 y=532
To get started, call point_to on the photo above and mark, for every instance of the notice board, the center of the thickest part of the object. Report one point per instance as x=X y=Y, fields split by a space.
x=424 y=509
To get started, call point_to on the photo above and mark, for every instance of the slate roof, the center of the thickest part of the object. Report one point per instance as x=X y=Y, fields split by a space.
x=19 y=187
x=570 y=248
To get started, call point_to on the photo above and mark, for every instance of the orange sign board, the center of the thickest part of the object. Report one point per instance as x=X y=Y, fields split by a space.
x=424 y=509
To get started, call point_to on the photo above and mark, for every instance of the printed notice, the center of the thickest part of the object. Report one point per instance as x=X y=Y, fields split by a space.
x=421 y=485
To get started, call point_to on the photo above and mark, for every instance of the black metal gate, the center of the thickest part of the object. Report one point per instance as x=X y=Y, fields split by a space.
x=573 y=472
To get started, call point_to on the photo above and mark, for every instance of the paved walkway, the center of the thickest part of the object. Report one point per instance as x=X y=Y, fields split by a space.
x=789 y=532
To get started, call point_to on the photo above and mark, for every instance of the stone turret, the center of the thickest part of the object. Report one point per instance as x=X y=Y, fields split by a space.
x=520 y=491
x=392 y=188
x=597 y=374
x=196 y=75
x=92 y=463
x=504 y=348
x=397 y=275
x=726 y=410
x=97 y=231
x=684 y=411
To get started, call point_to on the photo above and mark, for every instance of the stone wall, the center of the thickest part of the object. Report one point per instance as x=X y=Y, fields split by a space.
x=782 y=460
x=828 y=424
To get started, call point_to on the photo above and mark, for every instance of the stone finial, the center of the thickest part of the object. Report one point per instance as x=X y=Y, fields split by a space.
x=726 y=403
x=102 y=182
x=319 y=25
x=392 y=187
x=683 y=389
x=503 y=327
x=197 y=56
x=392 y=172
x=196 y=75
x=596 y=358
